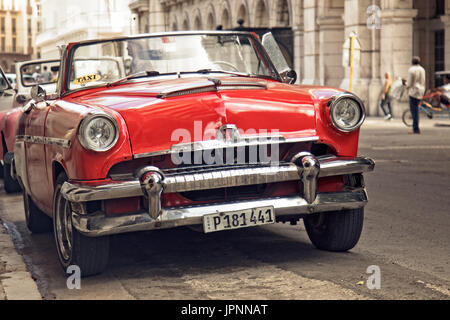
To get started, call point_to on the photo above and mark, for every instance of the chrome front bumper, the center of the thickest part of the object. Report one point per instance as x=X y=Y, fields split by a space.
x=151 y=183
x=98 y=225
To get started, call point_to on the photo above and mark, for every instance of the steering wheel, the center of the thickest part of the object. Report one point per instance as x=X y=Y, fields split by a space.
x=225 y=63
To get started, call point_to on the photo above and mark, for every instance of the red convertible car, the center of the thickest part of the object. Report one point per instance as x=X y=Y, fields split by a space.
x=176 y=129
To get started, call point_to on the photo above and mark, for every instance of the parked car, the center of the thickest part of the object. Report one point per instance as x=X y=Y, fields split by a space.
x=6 y=99
x=206 y=130
x=8 y=120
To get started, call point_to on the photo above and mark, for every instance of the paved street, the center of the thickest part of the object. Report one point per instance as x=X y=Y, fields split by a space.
x=406 y=234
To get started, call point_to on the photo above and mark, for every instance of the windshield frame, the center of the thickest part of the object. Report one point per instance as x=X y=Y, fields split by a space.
x=21 y=65
x=72 y=47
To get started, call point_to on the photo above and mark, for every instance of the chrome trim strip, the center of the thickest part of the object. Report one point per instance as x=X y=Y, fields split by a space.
x=329 y=166
x=64 y=143
x=98 y=224
x=232 y=177
x=218 y=144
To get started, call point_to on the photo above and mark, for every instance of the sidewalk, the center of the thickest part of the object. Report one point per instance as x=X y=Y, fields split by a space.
x=397 y=122
x=16 y=282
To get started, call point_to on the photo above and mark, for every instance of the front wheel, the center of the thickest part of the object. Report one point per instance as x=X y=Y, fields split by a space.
x=335 y=231
x=407 y=118
x=90 y=254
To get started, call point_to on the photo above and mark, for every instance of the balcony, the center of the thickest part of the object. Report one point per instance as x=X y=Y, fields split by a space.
x=11 y=49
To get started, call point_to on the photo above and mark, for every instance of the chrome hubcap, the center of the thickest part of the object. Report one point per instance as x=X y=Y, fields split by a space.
x=64 y=228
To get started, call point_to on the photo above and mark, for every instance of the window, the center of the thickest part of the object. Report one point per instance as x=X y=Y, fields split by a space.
x=283 y=13
x=440 y=7
x=14 y=44
x=3 y=24
x=3 y=44
x=439 y=54
x=29 y=27
x=14 y=29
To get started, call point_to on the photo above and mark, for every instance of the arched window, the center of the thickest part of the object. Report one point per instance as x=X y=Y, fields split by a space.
x=210 y=22
x=242 y=15
x=174 y=26
x=225 y=21
x=197 y=23
x=186 y=24
x=261 y=17
x=283 y=17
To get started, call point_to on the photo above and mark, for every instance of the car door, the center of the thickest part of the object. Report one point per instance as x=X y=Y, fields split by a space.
x=35 y=154
x=6 y=93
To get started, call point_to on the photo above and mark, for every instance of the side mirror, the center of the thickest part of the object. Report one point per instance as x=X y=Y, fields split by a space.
x=38 y=93
x=290 y=77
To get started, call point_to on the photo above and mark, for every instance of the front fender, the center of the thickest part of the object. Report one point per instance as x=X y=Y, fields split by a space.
x=62 y=123
x=345 y=144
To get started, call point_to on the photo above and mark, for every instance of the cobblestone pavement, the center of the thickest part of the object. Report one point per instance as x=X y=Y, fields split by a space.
x=406 y=234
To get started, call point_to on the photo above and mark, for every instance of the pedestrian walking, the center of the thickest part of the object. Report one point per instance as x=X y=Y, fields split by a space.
x=385 y=97
x=46 y=75
x=416 y=89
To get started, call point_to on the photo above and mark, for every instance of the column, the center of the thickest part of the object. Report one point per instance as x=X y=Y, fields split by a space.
x=298 y=51
x=446 y=21
x=311 y=43
x=157 y=17
x=355 y=18
x=331 y=38
x=397 y=42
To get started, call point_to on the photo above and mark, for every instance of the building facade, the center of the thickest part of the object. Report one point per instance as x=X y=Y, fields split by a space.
x=18 y=28
x=68 y=21
x=390 y=32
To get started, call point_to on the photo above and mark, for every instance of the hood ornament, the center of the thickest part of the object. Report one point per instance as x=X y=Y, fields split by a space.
x=228 y=133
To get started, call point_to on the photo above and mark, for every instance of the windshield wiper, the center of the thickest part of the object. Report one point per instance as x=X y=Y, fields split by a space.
x=238 y=74
x=137 y=75
x=206 y=71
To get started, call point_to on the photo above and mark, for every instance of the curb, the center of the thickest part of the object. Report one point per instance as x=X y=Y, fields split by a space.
x=16 y=282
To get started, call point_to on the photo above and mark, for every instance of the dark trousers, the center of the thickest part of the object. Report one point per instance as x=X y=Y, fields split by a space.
x=414 y=108
x=386 y=100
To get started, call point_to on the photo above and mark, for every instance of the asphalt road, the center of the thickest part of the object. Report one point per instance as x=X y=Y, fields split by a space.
x=406 y=234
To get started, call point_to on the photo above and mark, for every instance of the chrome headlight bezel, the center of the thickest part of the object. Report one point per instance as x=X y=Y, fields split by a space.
x=334 y=102
x=87 y=120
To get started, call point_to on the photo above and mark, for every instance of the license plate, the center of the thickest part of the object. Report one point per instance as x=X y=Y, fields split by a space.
x=238 y=219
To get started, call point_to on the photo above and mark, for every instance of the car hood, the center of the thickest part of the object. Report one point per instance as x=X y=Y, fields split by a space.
x=160 y=114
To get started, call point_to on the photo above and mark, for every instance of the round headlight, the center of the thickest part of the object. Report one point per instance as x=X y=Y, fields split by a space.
x=98 y=132
x=347 y=113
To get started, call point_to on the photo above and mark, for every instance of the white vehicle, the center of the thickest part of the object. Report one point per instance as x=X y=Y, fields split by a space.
x=6 y=92
x=48 y=74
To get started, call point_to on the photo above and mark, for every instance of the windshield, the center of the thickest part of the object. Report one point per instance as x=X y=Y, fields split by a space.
x=39 y=73
x=99 y=63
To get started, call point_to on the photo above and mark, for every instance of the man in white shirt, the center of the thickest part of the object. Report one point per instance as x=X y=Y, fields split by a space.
x=416 y=90
x=445 y=90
